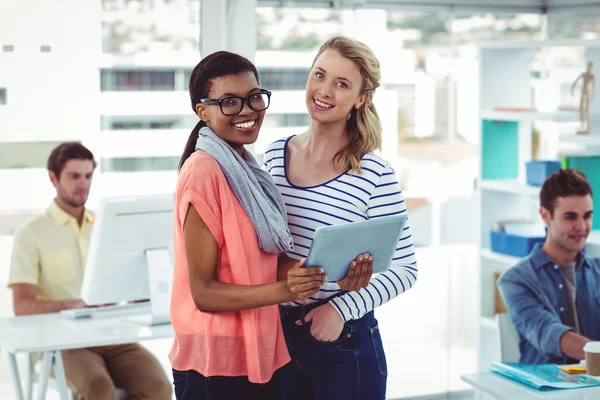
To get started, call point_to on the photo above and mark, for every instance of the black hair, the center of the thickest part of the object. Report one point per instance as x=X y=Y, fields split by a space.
x=215 y=65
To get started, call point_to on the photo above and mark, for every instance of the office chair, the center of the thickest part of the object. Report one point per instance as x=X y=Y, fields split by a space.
x=33 y=376
x=509 y=339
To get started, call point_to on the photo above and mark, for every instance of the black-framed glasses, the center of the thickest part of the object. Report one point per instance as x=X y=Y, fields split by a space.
x=233 y=105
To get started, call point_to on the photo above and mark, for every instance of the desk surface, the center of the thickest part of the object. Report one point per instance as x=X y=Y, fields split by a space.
x=505 y=389
x=33 y=333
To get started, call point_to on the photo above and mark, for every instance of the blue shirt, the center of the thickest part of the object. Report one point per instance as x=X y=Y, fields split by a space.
x=534 y=294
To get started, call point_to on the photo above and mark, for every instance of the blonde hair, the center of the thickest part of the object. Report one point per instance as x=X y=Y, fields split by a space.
x=364 y=126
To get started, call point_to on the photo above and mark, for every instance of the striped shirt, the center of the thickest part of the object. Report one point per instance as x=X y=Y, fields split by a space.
x=373 y=193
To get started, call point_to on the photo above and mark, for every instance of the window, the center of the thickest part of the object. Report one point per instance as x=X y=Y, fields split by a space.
x=139 y=164
x=136 y=80
x=3 y=96
x=25 y=154
x=187 y=73
x=9 y=222
x=283 y=78
x=162 y=124
x=271 y=78
x=274 y=120
x=122 y=125
x=125 y=125
x=133 y=122
x=130 y=27
x=574 y=25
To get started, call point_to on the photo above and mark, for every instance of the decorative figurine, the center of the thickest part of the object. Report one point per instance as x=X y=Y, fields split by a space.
x=588 y=89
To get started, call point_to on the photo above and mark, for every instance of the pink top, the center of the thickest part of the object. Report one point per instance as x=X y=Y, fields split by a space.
x=243 y=343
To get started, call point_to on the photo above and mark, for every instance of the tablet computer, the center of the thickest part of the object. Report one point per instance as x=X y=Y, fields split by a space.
x=335 y=247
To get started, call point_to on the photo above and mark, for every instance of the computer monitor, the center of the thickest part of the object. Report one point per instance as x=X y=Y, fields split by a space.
x=130 y=255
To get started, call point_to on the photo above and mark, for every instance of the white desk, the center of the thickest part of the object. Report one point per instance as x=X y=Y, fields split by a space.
x=50 y=333
x=505 y=389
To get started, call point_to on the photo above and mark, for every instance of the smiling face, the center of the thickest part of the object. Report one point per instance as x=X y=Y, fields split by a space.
x=334 y=88
x=570 y=223
x=237 y=130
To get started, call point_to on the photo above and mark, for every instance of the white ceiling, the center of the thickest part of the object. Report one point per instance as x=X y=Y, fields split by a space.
x=490 y=5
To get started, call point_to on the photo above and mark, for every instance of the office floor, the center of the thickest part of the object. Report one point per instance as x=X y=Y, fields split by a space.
x=428 y=333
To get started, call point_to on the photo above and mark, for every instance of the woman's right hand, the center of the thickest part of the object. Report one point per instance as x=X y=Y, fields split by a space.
x=304 y=282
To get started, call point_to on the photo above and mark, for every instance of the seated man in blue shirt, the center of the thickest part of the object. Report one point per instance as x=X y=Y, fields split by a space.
x=553 y=295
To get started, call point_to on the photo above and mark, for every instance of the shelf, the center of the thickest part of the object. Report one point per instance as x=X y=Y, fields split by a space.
x=583 y=139
x=488 y=322
x=556 y=116
x=501 y=258
x=594 y=238
x=510 y=186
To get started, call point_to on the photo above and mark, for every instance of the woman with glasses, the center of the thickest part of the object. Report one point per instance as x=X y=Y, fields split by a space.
x=230 y=224
x=329 y=175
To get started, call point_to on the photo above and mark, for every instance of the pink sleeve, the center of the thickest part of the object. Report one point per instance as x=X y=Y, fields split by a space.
x=202 y=188
x=207 y=213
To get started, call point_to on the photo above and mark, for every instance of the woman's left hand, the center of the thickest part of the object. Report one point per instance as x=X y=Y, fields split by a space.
x=359 y=274
x=327 y=323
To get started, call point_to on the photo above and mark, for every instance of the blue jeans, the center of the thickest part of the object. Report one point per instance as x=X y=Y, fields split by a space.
x=191 y=385
x=353 y=367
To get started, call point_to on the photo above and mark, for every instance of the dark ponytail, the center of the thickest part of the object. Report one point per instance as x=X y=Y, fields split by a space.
x=213 y=66
x=190 y=145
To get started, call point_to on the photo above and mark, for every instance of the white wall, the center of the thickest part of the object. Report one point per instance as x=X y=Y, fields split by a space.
x=51 y=95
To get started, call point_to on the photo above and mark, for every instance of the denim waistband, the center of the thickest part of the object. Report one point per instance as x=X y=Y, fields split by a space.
x=295 y=313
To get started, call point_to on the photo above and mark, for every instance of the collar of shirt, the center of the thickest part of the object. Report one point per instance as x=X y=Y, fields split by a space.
x=539 y=259
x=61 y=217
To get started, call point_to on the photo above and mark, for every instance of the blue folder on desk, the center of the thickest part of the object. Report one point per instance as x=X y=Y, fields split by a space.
x=543 y=376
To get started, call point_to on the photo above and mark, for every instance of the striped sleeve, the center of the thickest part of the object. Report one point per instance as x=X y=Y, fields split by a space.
x=386 y=199
x=266 y=160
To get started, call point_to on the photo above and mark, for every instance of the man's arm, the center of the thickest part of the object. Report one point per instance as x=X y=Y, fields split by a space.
x=571 y=344
x=540 y=326
x=25 y=301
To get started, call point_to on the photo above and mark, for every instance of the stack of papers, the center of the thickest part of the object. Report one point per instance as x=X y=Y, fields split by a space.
x=543 y=376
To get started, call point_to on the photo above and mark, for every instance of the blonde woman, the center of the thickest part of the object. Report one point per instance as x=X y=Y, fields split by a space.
x=329 y=175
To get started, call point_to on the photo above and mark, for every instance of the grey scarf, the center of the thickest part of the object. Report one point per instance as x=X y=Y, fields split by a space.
x=255 y=190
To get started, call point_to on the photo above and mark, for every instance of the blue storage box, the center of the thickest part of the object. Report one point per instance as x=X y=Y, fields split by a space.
x=538 y=171
x=513 y=245
x=516 y=237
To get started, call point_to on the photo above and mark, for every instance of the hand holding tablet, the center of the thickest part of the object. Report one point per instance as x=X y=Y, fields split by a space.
x=304 y=282
x=335 y=247
x=359 y=274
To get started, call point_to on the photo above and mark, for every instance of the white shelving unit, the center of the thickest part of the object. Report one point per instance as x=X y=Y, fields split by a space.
x=505 y=81
x=594 y=241
x=592 y=140
x=558 y=116
x=510 y=186
x=507 y=260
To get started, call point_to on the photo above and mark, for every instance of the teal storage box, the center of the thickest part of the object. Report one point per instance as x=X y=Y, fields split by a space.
x=499 y=149
x=538 y=171
x=590 y=166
